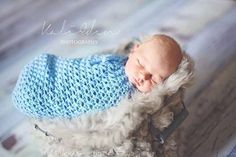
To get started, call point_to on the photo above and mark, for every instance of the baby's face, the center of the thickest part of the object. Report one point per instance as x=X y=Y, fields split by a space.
x=150 y=64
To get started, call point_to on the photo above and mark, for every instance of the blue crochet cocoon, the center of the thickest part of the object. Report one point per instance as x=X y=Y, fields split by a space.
x=51 y=86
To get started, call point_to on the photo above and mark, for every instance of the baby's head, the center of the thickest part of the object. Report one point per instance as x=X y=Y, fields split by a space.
x=152 y=61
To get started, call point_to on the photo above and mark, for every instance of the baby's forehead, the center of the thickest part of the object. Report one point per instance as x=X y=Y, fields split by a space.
x=163 y=47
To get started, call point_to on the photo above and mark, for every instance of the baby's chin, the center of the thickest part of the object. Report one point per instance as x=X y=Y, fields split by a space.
x=143 y=89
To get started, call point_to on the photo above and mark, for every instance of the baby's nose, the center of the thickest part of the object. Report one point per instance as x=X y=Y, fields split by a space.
x=145 y=76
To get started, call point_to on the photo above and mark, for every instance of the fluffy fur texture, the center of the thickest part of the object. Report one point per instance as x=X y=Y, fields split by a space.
x=121 y=131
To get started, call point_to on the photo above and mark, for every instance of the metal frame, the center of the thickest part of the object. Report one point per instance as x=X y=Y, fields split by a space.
x=159 y=136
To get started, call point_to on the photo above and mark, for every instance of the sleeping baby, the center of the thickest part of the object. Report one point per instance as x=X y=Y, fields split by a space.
x=55 y=87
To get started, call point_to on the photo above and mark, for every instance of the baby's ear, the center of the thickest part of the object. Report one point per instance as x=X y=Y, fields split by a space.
x=135 y=46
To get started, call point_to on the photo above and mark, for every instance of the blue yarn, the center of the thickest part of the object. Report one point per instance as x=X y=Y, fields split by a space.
x=51 y=86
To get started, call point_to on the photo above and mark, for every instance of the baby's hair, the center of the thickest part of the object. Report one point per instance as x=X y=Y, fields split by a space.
x=145 y=38
x=161 y=37
x=166 y=41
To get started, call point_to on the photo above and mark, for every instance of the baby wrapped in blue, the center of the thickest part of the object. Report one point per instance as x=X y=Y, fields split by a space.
x=51 y=86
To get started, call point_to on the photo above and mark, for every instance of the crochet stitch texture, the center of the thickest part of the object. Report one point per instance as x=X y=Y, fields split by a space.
x=51 y=86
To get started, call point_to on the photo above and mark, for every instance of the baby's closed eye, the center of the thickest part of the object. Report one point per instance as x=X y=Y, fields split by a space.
x=139 y=64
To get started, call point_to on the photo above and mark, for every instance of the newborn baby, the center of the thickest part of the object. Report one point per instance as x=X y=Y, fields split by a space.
x=152 y=61
x=51 y=86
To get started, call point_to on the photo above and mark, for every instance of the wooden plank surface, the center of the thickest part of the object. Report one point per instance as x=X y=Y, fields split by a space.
x=210 y=128
x=211 y=49
x=26 y=25
x=190 y=22
x=29 y=34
